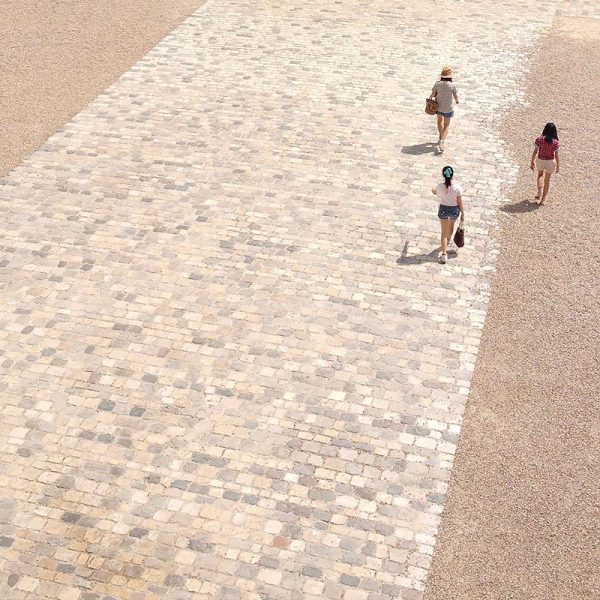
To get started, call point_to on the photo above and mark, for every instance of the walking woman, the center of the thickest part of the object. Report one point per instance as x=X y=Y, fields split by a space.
x=445 y=92
x=547 y=161
x=451 y=207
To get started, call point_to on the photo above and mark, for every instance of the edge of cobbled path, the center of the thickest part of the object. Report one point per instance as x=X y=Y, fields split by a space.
x=58 y=56
x=521 y=519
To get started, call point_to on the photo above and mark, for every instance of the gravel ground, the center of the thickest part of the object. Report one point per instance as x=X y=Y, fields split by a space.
x=522 y=517
x=57 y=56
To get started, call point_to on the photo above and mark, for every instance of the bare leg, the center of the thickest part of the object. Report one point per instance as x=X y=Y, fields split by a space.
x=451 y=233
x=540 y=174
x=447 y=226
x=443 y=239
x=445 y=128
x=546 y=187
x=440 y=121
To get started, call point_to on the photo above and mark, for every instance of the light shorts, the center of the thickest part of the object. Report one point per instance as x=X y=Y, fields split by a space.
x=448 y=212
x=547 y=166
x=447 y=115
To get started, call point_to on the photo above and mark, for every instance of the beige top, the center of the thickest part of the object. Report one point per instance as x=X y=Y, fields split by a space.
x=445 y=93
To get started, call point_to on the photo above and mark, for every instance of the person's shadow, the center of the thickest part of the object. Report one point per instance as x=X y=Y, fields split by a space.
x=418 y=259
x=418 y=149
x=523 y=206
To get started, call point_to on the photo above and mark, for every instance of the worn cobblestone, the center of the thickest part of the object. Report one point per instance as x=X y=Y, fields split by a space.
x=579 y=8
x=232 y=366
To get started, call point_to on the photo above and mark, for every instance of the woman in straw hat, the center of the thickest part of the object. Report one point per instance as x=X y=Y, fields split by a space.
x=445 y=92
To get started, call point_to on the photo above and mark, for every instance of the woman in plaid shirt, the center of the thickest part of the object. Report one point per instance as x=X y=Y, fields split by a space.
x=547 y=161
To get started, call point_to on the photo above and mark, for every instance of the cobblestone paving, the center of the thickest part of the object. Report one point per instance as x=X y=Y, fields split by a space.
x=232 y=366
x=579 y=8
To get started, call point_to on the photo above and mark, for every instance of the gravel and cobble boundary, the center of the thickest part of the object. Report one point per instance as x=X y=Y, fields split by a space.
x=521 y=519
x=56 y=57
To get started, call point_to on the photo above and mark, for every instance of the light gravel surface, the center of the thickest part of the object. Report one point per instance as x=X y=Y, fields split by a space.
x=522 y=517
x=57 y=56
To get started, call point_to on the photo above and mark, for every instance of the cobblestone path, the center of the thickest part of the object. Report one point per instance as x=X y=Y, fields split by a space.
x=579 y=8
x=231 y=365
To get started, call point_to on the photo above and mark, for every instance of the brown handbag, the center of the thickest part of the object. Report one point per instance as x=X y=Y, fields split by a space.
x=459 y=236
x=431 y=106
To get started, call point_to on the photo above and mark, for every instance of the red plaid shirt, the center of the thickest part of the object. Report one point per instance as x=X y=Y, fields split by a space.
x=546 y=151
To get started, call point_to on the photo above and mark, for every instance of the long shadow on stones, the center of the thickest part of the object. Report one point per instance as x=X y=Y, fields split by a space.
x=418 y=149
x=524 y=206
x=417 y=259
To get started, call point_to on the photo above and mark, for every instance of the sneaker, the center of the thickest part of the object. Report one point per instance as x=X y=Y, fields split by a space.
x=452 y=248
x=442 y=259
x=441 y=145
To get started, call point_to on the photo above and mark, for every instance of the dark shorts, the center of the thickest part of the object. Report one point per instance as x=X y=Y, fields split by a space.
x=447 y=115
x=448 y=212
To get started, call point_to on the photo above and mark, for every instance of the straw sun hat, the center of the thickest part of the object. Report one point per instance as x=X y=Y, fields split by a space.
x=446 y=72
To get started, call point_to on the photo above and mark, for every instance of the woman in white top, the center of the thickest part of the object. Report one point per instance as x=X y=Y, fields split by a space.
x=451 y=207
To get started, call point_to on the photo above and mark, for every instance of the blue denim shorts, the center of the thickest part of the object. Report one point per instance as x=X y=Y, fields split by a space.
x=448 y=212
x=447 y=115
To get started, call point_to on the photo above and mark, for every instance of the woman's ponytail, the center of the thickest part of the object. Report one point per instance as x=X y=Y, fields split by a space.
x=448 y=173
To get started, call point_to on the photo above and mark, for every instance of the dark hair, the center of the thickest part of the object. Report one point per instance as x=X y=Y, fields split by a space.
x=448 y=174
x=446 y=79
x=550 y=133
